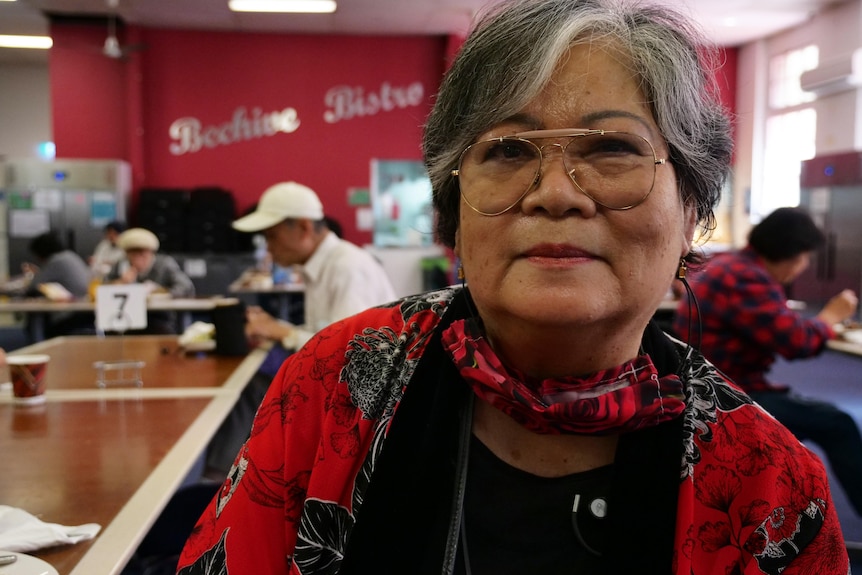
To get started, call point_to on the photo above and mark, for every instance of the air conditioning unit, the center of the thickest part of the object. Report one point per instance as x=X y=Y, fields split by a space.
x=834 y=76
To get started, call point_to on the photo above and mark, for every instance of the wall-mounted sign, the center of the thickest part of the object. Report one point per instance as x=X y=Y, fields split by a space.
x=189 y=135
x=345 y=102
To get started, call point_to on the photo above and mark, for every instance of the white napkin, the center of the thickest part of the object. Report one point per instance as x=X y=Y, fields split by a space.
x=22 y=532
x=196 y=333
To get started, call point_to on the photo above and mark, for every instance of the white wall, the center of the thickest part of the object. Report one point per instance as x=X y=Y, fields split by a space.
x=25 y=109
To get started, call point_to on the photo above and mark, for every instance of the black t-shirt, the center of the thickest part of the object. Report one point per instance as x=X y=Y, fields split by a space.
x=516 y=522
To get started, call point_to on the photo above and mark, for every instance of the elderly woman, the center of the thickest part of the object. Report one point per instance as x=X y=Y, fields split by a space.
x=535 y=420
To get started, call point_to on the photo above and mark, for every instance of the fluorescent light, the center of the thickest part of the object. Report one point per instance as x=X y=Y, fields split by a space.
x=40 y=42
x=295 y=6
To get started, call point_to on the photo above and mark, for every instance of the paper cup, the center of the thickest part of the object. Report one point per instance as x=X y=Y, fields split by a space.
x=28 y=377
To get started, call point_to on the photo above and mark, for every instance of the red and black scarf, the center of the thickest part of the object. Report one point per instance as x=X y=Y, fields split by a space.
x=617 y=400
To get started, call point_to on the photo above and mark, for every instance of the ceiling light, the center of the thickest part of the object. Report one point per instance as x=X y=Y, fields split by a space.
x=40 y=42
x=295 y=6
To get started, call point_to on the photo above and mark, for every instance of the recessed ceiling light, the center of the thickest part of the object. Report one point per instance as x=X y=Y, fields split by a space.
x=295 y=6
x=39 y=42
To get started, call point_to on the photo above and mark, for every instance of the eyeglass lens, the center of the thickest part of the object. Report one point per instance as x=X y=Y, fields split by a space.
x=615 y=169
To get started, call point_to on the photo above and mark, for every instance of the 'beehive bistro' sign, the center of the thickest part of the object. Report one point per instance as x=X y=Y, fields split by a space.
x=189 y=135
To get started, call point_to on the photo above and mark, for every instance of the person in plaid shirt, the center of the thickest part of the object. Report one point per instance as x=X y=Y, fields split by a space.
x=746 y=323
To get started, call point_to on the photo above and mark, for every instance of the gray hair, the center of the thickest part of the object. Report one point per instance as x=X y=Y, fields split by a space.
x=515 y=47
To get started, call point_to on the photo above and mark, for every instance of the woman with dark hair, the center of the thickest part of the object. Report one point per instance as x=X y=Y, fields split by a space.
x=535 y=419
x=745 y=323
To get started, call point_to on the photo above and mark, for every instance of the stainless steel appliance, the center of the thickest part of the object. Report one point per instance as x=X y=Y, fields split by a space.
x=73 y=198
x=831 y=191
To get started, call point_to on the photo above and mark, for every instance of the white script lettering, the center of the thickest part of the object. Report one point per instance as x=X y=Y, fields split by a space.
x=190 y=136
x=345 y=102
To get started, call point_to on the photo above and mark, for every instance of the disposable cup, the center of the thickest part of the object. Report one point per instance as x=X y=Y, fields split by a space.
x=28 y=377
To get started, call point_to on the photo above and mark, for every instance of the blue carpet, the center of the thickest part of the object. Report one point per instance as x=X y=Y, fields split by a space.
x=835 y=377
x=12 y=338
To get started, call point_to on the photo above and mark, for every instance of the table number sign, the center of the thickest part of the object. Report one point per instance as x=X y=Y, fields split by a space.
x=121 y=307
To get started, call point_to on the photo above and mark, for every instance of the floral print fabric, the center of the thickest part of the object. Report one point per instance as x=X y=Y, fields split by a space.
x=752 y=499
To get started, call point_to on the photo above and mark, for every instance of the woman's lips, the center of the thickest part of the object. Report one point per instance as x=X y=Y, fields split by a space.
x=557 y=251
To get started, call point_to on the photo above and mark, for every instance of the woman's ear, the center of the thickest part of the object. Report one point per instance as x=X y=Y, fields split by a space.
x=688 y=229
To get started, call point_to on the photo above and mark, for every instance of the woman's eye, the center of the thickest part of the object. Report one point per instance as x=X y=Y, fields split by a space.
x=508 y=151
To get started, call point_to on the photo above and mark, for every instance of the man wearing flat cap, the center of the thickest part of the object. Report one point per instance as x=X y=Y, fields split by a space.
x=340 y=278
x=160 y=272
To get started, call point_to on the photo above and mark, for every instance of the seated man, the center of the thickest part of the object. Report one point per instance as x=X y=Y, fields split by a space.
x=58 y=265
x=160 y=272
x=745 y=323
x=340 y=279
x=107 y=252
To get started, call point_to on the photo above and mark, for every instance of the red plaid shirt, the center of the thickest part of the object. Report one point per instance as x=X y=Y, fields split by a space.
x=746 y=321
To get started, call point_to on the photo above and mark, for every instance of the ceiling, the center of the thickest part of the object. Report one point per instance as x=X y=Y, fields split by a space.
x=727 y=22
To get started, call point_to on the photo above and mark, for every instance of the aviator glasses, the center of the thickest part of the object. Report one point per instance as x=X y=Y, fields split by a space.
x=614 y=169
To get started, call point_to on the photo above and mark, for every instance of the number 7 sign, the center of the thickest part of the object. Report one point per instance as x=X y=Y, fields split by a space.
x=121 y=307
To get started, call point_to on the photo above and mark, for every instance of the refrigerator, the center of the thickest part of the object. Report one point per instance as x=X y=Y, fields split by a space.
x=831 y=191
x=73 y=198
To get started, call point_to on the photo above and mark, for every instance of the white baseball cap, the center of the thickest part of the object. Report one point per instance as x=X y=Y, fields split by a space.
x=138 y=239
x=280 y=202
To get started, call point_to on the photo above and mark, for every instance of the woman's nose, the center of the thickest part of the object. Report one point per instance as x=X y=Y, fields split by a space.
x=556 y=191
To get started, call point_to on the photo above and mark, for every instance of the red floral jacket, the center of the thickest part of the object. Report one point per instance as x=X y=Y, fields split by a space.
x=751 y=498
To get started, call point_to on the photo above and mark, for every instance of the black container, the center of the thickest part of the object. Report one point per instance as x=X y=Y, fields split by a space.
x=229 y=321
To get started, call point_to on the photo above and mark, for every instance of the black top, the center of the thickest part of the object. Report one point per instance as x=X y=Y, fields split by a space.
x=516 y=522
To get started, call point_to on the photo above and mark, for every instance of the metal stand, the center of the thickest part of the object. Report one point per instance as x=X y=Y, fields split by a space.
x=121 y=372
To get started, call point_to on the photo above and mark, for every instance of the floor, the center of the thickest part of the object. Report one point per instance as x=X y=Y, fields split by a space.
x=834 y=377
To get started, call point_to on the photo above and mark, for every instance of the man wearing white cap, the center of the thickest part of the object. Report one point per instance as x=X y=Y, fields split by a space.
x=340 y=278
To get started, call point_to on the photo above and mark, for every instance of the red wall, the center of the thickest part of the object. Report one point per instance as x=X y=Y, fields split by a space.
x=88 y=95
x=726 y=79
x=124 y=109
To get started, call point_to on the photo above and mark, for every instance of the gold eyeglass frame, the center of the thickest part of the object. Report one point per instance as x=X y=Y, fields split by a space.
x=531 y=135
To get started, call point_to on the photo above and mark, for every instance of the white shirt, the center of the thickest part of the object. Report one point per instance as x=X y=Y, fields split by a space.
x=341 y=279
x=105 y=256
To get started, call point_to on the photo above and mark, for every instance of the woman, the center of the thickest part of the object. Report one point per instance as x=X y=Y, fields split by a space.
x=746 y=324
x=535 y=421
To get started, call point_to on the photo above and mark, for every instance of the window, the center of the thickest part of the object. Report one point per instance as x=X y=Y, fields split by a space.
x=789 y=140
x=791 y=126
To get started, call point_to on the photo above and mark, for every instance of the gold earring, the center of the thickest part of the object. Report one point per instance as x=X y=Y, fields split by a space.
x=460 y=272
x=680 y=271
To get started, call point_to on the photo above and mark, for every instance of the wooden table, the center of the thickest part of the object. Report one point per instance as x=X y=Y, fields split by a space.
x=39 y=309
x=112 y=456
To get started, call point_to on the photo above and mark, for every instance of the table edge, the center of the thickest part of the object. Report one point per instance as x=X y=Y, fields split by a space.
x=114 y=546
